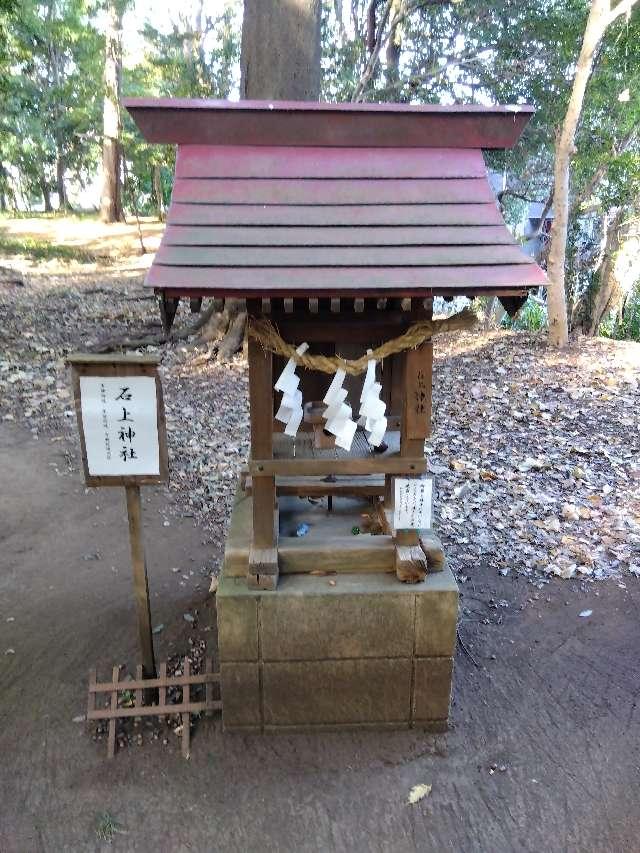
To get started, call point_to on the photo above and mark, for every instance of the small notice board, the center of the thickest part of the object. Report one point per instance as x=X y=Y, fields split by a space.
x=121 y=419
x=413 y=501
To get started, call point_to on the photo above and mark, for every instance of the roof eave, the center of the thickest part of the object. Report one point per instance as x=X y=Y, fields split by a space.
x=188 y=122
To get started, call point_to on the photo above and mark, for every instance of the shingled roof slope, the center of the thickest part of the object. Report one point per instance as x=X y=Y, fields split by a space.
x=277 y=220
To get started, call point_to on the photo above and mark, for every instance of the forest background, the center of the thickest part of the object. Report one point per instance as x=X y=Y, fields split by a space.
x=66 y=146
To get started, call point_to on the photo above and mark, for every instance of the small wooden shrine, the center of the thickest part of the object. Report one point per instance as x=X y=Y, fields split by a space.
x=338 y=224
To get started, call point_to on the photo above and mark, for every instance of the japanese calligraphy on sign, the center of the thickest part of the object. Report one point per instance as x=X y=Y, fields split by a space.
x=412 y=503
x=417 y=402
x=420 y=393
x=121 y=420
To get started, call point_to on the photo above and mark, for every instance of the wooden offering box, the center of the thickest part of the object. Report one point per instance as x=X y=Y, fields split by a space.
x=337 y=224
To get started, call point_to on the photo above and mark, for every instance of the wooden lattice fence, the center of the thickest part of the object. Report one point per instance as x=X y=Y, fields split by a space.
x=144 y=688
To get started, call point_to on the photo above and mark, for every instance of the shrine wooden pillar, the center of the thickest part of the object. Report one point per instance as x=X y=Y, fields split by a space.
x=415 y=382
x=263 y=555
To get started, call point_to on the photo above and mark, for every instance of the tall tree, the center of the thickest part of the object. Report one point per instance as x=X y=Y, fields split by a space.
x=8 y=14
x=619 y=271
x=506 y=51
x=601 y=15
x=280 y=55
x=194 y=55
x=279 y=60
x=111 y=196
x=48 y=119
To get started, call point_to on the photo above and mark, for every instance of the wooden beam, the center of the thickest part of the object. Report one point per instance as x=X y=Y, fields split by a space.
x=391 y=464
x=140 y=580
x=186 y=716
x=411 y=563
x=416 y=420
x=111 y=744
x=411 y=560
x=368 y=486
x=263 y=560
x=433 y=551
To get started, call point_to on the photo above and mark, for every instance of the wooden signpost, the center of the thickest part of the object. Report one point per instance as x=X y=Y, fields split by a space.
x=121 y=420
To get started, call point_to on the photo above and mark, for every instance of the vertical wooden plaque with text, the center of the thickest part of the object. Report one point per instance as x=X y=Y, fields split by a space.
x=123 y=441
x=121 y=419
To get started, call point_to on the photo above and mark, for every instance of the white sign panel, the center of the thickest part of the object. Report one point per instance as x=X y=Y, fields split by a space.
x=120 y=425
x=412 y=504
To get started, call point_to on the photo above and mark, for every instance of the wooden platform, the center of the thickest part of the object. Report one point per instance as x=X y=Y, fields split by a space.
x=328 y=546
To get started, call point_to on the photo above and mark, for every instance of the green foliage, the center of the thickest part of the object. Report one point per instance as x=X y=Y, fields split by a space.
x=51 y=119
x=107 y=826
x=469 y=51
x=53 y=97
x=8 y=12
x=195 y=59
x=42 y=250
x=506 y=51
x=532 y=317
x=626 y=327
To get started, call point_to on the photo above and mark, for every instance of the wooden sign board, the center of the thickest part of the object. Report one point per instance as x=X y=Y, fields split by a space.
x=418 y=381
x=121 y=419
x=413 y=501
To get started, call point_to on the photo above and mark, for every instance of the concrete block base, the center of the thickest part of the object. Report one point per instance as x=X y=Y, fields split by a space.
x=337 y=652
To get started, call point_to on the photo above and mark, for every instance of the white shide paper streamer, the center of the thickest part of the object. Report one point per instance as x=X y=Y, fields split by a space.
x=372 y=408
x=338 y=412
x=290 y=411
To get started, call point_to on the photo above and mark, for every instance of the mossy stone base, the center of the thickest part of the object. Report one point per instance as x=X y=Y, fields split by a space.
x=339 y=651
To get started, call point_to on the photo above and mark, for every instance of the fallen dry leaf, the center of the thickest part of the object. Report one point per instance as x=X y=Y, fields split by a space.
x=417 y=793
x=570 y=512
x=517 y=431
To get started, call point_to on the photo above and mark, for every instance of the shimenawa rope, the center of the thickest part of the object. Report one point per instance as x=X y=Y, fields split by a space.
x=265 y=332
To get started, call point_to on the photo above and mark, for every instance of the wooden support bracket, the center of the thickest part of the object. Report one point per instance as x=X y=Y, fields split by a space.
x=263 y=568
x=268 y=583
x=411 y=564
x=433 y=551
x=168 y=309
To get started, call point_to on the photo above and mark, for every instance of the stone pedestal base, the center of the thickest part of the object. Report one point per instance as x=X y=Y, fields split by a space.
x=341 y=651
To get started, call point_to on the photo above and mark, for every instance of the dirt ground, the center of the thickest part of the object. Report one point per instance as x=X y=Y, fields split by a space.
x=543 y=754
x=536 y=457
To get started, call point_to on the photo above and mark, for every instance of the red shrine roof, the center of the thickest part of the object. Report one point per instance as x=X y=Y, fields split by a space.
x=306 y=199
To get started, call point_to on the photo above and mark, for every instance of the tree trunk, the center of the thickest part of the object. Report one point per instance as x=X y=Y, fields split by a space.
x=601 y=15
x=280 y=53
x=46 y=196
x=111 y=196
x=63 y=201
x=4 y=188
x=394 y=48
x=619 y=268
x=157 y=191
x=280 y=60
